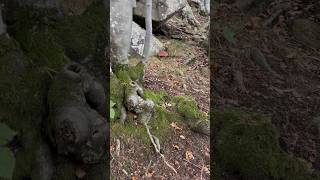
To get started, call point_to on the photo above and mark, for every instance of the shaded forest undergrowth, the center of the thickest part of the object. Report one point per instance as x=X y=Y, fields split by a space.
x=267 y=62
x=178 y=75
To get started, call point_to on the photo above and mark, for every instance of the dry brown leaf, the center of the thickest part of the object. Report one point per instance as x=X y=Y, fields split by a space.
x=176 y=147
x=189 y=155
x=175 y=126
x=206 y=169
x=134 y=178
x=149 y=174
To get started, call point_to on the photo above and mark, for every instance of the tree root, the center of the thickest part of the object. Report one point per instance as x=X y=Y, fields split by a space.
x=156 y=144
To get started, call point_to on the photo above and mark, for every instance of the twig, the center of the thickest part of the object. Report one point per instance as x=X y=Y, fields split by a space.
x=156 y=144
x=193 y=164
x=118 y=147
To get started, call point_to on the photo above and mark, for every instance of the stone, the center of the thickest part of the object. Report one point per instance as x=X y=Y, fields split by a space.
x=67 y=7
x=76 y=128
x=162 y=10
x=137 y=41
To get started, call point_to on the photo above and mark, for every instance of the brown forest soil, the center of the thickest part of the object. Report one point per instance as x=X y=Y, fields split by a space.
x=138 y=160
x=292 y=100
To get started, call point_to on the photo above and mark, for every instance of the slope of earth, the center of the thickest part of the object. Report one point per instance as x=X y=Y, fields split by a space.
x=269 y=63
x=182 y=69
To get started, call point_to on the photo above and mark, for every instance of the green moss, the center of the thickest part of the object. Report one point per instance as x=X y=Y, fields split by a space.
x=136 y=72
x=156 y=97
x=247 y=144
x=36 y=37
x=126 y=73
x=123 y=77
x=187 y=106
x=160 y=122
x=85 y=34
x=116 y=95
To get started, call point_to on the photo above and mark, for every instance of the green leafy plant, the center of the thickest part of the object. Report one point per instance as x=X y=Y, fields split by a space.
x=112 y=112
x=6 y=156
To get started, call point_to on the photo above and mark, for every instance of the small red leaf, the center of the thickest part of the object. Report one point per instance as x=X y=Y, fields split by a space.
x=163 y=54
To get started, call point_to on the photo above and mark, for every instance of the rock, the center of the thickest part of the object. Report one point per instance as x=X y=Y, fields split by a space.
x=74 y=7
x=137 y=41
x=162 y=10
x=67 y=7
x=77 y=129
x=204 y=6
x=307 y=32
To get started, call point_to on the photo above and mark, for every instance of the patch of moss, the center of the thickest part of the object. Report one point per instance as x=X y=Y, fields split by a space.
x=126 y=73
x=85 y=34
x=123 y=77
x=116 y=95
x=136 y=72
x=247 y=144
x=160 y=122
x=187 y=106
x=32 y=30
x=156 y=97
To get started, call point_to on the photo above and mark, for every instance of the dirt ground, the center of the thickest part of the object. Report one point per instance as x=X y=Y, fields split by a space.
x=183 y=71
x=289 y=92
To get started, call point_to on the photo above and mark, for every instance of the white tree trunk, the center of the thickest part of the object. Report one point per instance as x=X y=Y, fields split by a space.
x=148 y=37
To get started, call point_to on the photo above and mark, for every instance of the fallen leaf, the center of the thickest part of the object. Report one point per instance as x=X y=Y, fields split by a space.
x=189 y=155
x=175 y=126
x=206 y=169
x=163 y=54
x=176 y=147
x=134 y=178
x=182 y=137
x=150 y=174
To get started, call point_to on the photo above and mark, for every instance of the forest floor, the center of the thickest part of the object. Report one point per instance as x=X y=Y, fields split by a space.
x=289 y=92
x=182 y=69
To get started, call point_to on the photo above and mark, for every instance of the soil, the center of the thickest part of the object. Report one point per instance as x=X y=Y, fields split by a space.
x=139 y=161
x=291 y=95
x=183 y=71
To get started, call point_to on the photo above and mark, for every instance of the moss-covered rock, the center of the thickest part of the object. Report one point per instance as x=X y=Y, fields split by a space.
x=39 y=43
x=193 y=117
x=247 y=145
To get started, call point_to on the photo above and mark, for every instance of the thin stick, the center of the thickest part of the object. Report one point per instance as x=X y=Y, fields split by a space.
x=155 y=142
